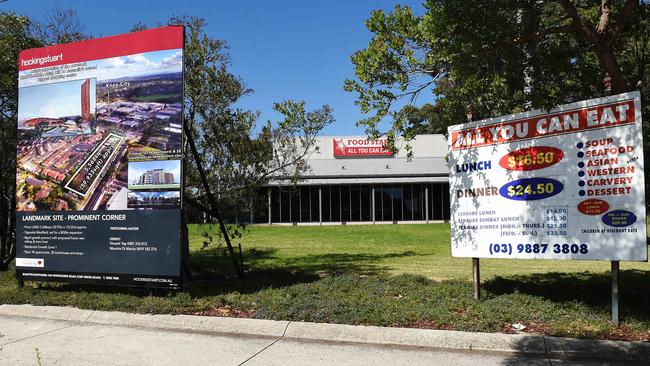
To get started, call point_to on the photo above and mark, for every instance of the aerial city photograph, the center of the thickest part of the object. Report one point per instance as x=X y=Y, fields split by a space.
x=80 y=140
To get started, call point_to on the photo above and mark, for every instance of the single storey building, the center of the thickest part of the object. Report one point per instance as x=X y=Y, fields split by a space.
x=356 y=180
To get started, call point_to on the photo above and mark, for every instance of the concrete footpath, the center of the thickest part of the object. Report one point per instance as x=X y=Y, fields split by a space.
x=45 y=335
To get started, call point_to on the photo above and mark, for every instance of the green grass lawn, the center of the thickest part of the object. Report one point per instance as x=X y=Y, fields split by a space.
x=388 y=275
x=371 y=249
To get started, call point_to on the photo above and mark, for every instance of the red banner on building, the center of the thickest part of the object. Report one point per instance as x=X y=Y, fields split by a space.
x=360 y=147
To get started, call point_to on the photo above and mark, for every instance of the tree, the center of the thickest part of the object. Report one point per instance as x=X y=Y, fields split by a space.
x=14 y=37
x=494 y=57
x=59 y=25
x=18 y=33
x=236 y=156
x=422 y=120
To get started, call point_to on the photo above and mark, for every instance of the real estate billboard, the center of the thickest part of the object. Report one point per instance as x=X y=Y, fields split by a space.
x=561 y=184
x=99 y=180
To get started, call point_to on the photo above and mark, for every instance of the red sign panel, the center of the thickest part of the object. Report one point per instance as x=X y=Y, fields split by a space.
x=360 y=147
x=559 y=123
x=157 y=39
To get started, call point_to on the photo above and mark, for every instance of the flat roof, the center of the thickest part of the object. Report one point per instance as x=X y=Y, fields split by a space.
x=428 y=163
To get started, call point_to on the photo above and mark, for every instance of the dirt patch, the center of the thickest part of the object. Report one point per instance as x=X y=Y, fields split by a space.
x=226 y=311
x=623 y=333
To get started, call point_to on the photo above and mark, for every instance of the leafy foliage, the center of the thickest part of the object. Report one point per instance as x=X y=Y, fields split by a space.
x=238 y=153
x=15 y=35
x=492 y=57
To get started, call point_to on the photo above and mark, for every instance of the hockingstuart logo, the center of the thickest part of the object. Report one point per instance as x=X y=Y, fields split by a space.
x=42 y=60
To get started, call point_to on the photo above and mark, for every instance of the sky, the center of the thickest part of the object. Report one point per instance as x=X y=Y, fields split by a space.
x=53 y=100
x=289 y=49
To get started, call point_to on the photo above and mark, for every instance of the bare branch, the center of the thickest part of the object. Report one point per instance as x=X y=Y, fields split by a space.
x=543 y=33
x=605 y=12
x=628 y=9
x=583 y=25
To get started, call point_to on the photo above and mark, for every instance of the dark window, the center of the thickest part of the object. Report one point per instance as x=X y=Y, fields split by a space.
x=407 y=201
x=418 y=202
x=315 y=210
x=379 y=201
x=345 y=203
x=285 y=204
x=335 y=195
x=261 y=205
x=326 y=203
x=295 y=205
x=304 y=204
x=366 y=203
x=275 y=204
x=397 y=202
x=445 y=201
x=387 y=202
x=355 y=206
x=436 y=194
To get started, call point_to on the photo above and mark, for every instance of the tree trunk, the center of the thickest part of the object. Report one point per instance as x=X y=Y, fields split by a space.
x=4 y=216
x=609 y=63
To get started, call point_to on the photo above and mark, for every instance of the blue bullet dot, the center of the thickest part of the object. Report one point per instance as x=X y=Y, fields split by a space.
x=582 y=193
x=581 y=165
x=581 y=174
x=579 y=145
x=581 y=154
x=581 y=183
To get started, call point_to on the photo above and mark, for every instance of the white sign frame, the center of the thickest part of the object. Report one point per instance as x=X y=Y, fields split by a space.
x=498 y=211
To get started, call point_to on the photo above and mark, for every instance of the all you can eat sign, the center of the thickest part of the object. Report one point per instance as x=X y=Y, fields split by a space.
x=564 y=184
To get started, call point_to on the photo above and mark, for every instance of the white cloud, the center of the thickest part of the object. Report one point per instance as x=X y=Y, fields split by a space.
x=137 y=59
x=114 y=62
x=173 y=60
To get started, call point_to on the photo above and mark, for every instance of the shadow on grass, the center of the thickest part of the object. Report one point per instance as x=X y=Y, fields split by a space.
x=213 y=273
x=206 y=266
x=591 y=289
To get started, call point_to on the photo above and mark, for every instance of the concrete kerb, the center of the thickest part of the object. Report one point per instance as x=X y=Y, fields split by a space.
x=551 y=347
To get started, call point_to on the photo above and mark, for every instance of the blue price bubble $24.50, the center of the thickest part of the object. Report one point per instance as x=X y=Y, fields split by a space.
x=530 y=189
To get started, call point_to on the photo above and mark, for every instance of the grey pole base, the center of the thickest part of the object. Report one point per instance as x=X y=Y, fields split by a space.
x=615 y=293
x=476 y=278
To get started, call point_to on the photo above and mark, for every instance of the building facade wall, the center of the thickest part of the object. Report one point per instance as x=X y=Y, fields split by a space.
x=350 y=203
x=348 y=186
x=156 y=176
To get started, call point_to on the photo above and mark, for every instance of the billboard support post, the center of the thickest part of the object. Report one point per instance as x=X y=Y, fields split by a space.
x=615 y=293
x=476 y=278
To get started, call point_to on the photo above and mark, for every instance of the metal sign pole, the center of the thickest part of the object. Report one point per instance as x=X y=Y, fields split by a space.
x=476 y=278
x=615 y=293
